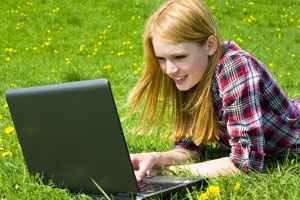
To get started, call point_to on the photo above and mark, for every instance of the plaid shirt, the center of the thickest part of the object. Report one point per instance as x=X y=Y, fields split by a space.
x=258 y=118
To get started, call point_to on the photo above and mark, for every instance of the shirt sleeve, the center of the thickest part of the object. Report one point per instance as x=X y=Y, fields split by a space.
x=189 y=145
x=240 y=81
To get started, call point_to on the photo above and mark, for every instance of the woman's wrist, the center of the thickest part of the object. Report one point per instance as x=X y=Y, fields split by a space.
x=156 y=158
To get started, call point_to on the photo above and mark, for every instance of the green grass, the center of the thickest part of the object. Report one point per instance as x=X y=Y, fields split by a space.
x=46 y=42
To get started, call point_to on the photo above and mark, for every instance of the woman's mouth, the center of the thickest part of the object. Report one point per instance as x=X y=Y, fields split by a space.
x=179 y=79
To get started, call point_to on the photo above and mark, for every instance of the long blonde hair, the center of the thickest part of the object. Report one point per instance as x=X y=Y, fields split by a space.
x=190 y=113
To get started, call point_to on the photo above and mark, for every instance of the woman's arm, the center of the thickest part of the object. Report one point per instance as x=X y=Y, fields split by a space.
x=148 y=163
x=212 y=168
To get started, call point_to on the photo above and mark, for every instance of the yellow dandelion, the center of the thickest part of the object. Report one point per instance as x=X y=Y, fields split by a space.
x=107 y=67
x=270 y=64
x=1 y=149
x=5 y=105
x=6 y=153
x=239 y=40
x=237 y=186
x=9 y=130
x=1 y=140
x=120 y=53
x=8 y=59
x=68 y=60
x=251 y=3
x=160 y=98
x=293 y=55
x=1 y=116
x=288 y=73
x=279 y=35
x=213 y=191
x=81 y=48
x=203 y=196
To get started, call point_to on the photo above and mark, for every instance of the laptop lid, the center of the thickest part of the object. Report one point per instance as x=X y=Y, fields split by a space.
x=71 y=133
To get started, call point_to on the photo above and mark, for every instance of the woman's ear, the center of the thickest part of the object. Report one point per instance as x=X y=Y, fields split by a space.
x=212 y=45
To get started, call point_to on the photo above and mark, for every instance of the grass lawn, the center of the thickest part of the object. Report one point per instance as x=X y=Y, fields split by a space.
x=55 y=41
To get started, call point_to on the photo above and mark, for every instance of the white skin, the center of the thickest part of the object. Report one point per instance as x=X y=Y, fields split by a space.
x=185 y=63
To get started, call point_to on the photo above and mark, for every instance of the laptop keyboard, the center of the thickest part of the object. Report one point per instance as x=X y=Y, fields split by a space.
x=146 y=187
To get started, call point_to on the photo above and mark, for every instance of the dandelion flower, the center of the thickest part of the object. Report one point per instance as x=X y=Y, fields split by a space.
x=9 y=130
x=6 y=153
x=213 y=191
x=1 y=116
x=120 y=53
x=203 y=196
x=107 y=67
x=68 y=60
x=237 y=186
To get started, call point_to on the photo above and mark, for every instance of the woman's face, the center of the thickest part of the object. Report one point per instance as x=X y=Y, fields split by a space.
x=185 y=63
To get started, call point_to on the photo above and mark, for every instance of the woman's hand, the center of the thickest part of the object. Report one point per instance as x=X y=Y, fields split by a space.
x=144 y=164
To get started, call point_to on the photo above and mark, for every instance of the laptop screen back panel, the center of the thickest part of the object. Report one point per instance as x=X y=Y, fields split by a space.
x=66 y=133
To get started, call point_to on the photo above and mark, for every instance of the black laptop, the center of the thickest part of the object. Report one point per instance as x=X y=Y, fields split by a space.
x=70 y=133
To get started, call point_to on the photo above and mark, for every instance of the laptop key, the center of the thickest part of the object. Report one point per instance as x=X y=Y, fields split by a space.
x=146 y=187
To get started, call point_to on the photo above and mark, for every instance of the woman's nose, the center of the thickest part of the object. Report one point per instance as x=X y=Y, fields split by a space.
x=171 y=68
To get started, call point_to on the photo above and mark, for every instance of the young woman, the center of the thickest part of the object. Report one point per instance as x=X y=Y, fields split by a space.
x=212 y=90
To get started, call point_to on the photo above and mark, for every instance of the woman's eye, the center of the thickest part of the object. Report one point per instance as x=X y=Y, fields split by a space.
x=180 y=57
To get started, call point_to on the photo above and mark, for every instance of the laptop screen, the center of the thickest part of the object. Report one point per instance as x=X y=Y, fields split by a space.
x=70 y=133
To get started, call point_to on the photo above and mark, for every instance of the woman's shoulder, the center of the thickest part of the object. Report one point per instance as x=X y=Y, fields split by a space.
x=233 y=53
x=235 y=59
